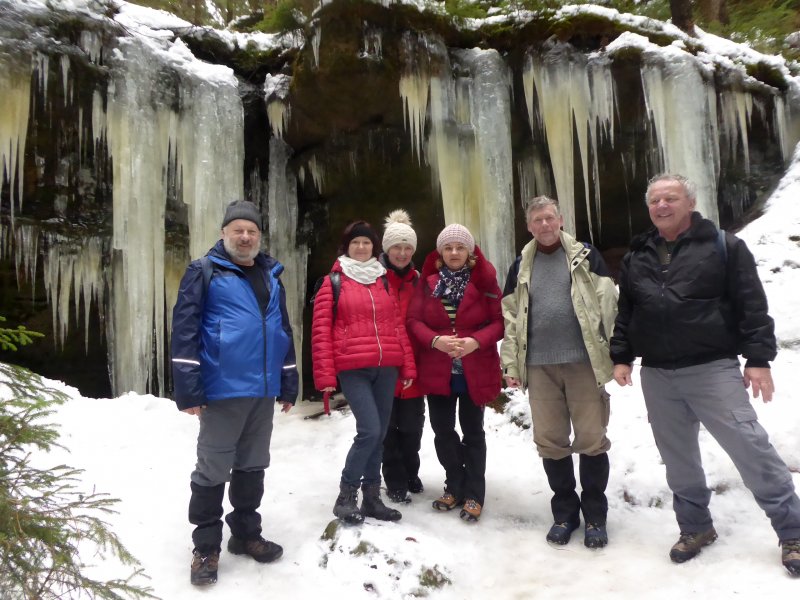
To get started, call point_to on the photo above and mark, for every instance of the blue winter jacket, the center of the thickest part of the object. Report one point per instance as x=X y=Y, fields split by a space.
x=222 y=344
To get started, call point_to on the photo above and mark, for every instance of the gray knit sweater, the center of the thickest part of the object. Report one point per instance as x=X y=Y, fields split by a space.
x=554 y=334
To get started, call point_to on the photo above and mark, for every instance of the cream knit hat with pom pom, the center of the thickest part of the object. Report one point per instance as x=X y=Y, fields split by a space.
x=398 y=230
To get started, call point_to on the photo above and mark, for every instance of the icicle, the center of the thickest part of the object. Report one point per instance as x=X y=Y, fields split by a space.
x=65 y=78
x=372 y=42
x=317 y=172
x=414 y=92
x=92 y=45
x=26 y=243
x=736 y=110
x=575 y=94
x=276 y=94
x=283 y=244
x=678 y=101
x=316 y=38
x=15 y=81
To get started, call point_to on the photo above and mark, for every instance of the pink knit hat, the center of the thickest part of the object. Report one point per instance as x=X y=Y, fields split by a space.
x=455 y=234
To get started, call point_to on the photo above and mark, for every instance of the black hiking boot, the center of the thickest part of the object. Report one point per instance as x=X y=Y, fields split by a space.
x=373 y=506
x=260 y=549
x=689 y=545
x=561 y=532
x=415 y=486
x=790 y=556
x=399 y=496
x=204 y=568
x=346 y=507
x=595 y=536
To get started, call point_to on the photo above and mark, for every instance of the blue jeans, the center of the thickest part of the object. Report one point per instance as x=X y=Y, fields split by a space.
x=370 y=394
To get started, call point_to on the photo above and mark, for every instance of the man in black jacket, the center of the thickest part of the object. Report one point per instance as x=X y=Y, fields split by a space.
x=690 y=303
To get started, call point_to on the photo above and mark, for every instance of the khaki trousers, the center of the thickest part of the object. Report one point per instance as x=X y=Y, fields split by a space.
x=566 y=398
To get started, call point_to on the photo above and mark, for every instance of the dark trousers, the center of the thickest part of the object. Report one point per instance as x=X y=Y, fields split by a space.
x=463 y=459
x=402 y=443
x=565 y=503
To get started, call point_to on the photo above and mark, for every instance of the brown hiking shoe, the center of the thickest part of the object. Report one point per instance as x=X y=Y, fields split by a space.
x=689 y=545
x=790 y=556
x=446 y=502
x=260 y=549
x=204 y=568
x=471 y=511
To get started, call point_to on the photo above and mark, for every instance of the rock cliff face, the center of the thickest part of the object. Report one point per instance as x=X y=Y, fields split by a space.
x=124 y=132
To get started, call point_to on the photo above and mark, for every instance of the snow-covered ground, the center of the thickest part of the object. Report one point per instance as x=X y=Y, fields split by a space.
x=141 y=450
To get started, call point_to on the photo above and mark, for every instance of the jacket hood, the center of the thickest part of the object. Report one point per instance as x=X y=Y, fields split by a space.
x=483 y=274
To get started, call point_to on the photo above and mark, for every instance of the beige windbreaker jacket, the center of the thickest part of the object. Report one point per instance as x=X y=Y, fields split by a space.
x=594 y=298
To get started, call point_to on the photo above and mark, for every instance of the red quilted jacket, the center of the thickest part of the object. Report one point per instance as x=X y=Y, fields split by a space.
x=404 y=288
x=479 y=316
x=367 y=331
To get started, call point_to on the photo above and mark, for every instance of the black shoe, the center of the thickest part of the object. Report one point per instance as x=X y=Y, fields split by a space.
x=790 y=556
x=204 y=568
x=689 y=545
x=373 y=506
x=415 y=486
x=346 y=507
x=399 y=496
x=260 y=549
x=561 y=532
x=596 y=536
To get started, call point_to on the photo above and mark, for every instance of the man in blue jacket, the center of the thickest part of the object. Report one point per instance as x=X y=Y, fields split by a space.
x=691 y=302
x=232 y=358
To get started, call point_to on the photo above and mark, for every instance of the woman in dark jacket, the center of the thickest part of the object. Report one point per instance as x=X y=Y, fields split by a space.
x=360 y=339
x=404 y=436
x=456 y=321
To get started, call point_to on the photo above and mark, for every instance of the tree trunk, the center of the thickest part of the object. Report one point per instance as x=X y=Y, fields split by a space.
x=681 y=11
x=713 y=10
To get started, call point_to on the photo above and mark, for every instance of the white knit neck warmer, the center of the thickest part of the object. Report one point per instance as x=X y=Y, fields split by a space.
x=363 y=272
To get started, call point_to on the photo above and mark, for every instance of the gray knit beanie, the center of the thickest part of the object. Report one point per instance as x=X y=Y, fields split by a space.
x=398 y=230
x=242 y=209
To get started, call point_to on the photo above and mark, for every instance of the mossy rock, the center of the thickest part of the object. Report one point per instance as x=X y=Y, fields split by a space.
x=331 y=530
x=433 y=578
x=364 y=548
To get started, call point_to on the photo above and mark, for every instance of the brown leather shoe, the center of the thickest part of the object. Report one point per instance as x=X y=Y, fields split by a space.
x=260 y=549
x=790 y=556
x=446 y=502
x=689 y=545
x=471 y=511
x=204 y=568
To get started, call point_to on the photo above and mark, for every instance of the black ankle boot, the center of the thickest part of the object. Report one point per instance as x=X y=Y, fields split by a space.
x=373 y=506
x=346 y=507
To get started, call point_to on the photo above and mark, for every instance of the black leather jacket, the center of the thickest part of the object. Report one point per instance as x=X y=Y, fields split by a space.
x=706 y=306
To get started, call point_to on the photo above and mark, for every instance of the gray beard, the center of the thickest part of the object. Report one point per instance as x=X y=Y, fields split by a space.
x=234 y=253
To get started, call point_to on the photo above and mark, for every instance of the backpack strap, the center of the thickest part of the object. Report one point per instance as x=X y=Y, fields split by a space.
x=207 y=268
x=722 y=246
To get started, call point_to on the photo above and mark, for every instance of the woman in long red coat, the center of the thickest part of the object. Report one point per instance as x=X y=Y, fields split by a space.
x=403 y=438
x=456 y=321
x=360 y=339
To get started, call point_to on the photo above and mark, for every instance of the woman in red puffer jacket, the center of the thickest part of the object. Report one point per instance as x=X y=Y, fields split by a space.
x=456 y=321
x=361 y=340
x=403 y=438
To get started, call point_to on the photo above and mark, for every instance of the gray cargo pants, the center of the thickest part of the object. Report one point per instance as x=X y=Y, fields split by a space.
x=714 y=394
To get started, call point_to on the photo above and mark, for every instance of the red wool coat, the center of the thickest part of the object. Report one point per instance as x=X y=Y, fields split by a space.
x=366 y=332
x=404 y=288
x=479 y=316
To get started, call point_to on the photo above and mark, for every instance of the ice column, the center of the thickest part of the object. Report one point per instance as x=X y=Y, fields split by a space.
x=276 y=93
x=682 y=106
x=283 y=244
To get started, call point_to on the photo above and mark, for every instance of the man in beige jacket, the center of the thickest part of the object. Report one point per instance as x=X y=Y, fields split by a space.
x=559 y=306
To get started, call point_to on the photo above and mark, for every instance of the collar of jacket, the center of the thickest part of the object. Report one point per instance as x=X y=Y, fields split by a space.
x=574 y=250
x=699 y=229
x=483 y=274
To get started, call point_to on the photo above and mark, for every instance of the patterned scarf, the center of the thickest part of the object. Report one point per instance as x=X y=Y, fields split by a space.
x=452 y=284
x=363 y=272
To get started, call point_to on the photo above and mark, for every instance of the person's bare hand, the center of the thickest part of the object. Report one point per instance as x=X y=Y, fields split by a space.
x=622 y=374
x=761 y=380
x=194 y=410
